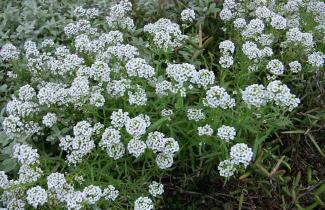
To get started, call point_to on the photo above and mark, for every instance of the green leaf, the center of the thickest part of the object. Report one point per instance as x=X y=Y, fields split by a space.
x=3 y=88
x=4 y=140
x=179 y=103
x=157 y=124
x=8 y=165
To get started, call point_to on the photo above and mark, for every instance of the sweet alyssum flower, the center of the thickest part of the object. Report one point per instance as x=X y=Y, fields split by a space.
x=156 y=189
x=205 y=130
x=275 y=67
x=195 y=114
x=187 y=15
x=49 y=119
x=9 y=52
x=241 y=154
x=143 y=203
x=255 y=95
x=217 y=96
x=226 y=133
x=36 y=196
x=84 y=84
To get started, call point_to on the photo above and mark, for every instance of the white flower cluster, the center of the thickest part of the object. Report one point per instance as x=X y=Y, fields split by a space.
x=18 y=122
x=110 y=193
x=9 y=52
x=139 y=67
x=63 y=192
x=99 y=72
x=188 y=15
x=165 y=147
x=240 y=155
x=47 y=43
x=117 y=88
x=275 y=67
x=138 y=96
x=167 y=113
x=119 y=118
x=49 y=119
x=137 y=126
x=227 y=49
x=92 y=194
x=228 y=10
x=166 y=34
x=17 y=194
x=118 y=18
x=21 y=108
x=316 y=59
x=255 y=95
x=156 y=189
x=180 y=72
x=110 y=137
x=205 y=130
x=254 y=28
x=14 y=196
x=136 y=147
x=3 y=180
x=226 y=133
x=80 y=27
x=203 y=78
x=195 y=114
x=296 y=37
x=295 y=66
x=143 y=203
x=80 y=12
x=80 y=144
x=26 y=93
x=226 y=168
x=278 y=22
x=217 y=96
x=281 y=95
x=185 y=76
x=251 y=50
x=25 y=154
x=36 y=196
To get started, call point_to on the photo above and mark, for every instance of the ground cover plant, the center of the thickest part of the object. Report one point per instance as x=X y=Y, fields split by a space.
x=148 y=105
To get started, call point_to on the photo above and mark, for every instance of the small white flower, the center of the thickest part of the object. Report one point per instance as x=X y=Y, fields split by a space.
x=241 y=154
x=164 y=161
x=9 y=52
x=195 y=114
x=136 y=126
x=295 y=66
x=226 y=168
x=3 y=180
x=255 y=95
x=136 y=147
x=119 y=118
x=49 y=119
x=226 y=133
x=110 y=193
x=188 y=15
x=143 y=203
x=218 y=97
x=156 y=189
x=92 y=193
x=205 y=130
x=275 y=67
x=36 y=196
x=316 y=59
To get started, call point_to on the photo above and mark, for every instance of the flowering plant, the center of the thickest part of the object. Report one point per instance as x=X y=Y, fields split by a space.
x=101 y=113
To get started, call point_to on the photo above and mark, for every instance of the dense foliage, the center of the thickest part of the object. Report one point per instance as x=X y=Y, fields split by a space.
x=125 y=105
